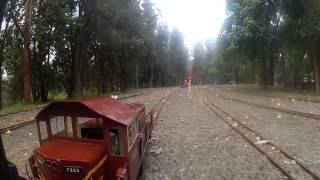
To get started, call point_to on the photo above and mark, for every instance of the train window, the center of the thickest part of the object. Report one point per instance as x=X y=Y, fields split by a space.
x=43 y=131
x=132 y=132
x=92 y=133
x=90 y=128
x=115 y=143
x=61 y=126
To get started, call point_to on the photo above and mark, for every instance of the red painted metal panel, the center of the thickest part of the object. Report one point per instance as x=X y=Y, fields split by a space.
x=103 y=107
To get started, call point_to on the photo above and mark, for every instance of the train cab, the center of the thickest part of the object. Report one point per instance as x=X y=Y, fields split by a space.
x=93 y=138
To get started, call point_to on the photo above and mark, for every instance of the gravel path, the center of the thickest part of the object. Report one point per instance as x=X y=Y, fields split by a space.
x=19 y=144
x=194 y=144
x=296 y=135
x=293 y=104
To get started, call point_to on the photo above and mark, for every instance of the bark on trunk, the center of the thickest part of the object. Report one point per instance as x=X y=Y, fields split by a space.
x=261 y=74
x=270 y=71
x=316 y=68
x=76 y=66
x=137 y=74
x=1 y=84
x=151 y=76
x=234 y=72
x=26 y=51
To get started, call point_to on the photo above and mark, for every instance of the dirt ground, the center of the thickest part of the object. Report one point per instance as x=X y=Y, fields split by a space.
x=194 y=144
x=297 y=135
x=190 y=142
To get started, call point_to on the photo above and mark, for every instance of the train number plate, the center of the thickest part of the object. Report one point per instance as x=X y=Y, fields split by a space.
x=73 y=169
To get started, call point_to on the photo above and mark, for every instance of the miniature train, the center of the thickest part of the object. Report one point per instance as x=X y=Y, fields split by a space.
x=187 y=81
x=93 y=138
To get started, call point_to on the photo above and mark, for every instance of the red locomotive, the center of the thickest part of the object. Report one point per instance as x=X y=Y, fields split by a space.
x=90 y=139
x=187 y=81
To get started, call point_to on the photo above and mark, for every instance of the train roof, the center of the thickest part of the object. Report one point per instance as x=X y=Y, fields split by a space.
x=100 y=107
x=137 y=107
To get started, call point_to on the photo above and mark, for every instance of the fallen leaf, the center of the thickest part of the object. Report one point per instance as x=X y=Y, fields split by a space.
x=156 y=152
x=261 y=142
x=227 y=138
x=289 y=162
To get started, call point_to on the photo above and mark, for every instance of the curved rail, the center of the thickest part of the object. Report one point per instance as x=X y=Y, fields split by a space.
x=247 y=130
x=282 y=110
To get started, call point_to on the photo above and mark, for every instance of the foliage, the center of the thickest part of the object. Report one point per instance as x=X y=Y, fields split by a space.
x=275 y=41
x=82 y=47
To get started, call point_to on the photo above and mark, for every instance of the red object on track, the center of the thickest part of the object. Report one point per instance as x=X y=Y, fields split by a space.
x=90 y=139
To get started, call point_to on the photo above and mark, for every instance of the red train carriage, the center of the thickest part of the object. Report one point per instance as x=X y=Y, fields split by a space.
x=90 y=139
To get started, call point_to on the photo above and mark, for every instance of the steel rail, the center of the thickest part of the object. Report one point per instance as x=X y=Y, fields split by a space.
x=282 y=110
x=301 y=165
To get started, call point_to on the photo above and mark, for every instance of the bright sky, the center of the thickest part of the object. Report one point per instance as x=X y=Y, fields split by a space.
x=198 y=20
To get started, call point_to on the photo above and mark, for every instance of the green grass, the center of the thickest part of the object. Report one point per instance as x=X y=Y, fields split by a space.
x=53 y=96
x=276 y=91
x=17 y=108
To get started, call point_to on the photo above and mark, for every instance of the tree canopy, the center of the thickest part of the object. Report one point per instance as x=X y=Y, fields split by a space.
x=84 y=47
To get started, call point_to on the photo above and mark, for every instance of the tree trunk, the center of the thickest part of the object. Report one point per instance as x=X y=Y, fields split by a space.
x=271 y=71
x=100 y=69
x=151 y=76
x=26 y=51
x=316 y=67
x=123 y=72
x=137 y=74
x=79 y=59
x=76 y=66
x=233 y=72
x=1 y=74
x=261 y=74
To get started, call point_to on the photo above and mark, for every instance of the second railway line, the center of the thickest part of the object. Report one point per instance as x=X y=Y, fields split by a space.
x=289 y=141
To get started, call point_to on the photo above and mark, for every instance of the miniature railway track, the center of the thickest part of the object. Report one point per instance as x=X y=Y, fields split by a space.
x=271 y=96
x=20 y=125
x=282 y=110
x=265 y=147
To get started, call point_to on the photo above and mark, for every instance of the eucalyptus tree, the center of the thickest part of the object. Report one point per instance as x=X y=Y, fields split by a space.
x=22 y=12
x=199 y=64
x=300 y=35
x=178 y=55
